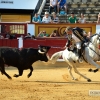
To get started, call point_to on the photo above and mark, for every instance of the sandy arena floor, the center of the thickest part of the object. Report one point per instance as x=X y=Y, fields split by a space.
x=49 y=83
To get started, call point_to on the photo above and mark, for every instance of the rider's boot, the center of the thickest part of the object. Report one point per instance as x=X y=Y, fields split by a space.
x=80 y=60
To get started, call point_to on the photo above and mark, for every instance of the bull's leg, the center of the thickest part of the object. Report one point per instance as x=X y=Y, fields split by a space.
x=2 y=69
x=20 y=73
x=31 y=70
x=3 y=72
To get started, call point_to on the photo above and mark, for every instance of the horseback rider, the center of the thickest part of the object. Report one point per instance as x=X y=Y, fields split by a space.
x=79 y=36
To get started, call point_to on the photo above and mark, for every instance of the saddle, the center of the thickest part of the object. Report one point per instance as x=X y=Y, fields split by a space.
x=75 y=49
x=82 y=50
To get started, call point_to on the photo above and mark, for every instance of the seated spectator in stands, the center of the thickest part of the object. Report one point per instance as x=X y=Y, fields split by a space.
x=98 y=20
x=1 y=37
x=54 y=18
x=43 y=34
x=54 y=34
x=46 y=18
x=72 y=18
x=8 y=36
x=62 y=4
x=53 y=5
x=82 y=19
x=89 y=34
x=28 y=36
x=33 y=37
x=22 y=36
x=36 y=18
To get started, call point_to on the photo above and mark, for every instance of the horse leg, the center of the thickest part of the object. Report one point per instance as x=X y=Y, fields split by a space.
x=31 y=70
x=76 y=71
x=91 y=70
x=70 y=72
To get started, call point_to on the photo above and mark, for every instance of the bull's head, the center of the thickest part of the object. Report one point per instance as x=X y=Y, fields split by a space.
x=40 y=51
x=43 y=53
x=43 y=49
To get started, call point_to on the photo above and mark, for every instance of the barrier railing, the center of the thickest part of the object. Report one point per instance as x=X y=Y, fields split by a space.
x=55 y=44
x=9 y=43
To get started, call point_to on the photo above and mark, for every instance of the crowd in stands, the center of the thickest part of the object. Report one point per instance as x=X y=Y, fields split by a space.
x=44 y=34
x=13 y=36
x=98 y=20
x=56 y=8
x=55 y=19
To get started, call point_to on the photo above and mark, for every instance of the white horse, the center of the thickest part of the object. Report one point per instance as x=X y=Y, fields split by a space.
x=91 y=55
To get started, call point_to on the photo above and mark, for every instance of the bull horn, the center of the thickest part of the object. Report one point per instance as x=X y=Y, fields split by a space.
x=41 y=52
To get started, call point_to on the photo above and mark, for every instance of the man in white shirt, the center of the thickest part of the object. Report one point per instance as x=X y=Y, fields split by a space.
x=46 y=18
x=53 y=5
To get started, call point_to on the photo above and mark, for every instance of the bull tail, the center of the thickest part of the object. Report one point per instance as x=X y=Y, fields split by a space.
x=56 y=56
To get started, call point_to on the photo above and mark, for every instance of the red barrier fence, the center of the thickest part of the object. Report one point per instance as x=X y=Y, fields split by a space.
x=56 y=44
x=9 y=43
x=33 y=43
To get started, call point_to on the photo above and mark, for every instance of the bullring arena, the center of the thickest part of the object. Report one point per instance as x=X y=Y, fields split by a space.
x=49 y=82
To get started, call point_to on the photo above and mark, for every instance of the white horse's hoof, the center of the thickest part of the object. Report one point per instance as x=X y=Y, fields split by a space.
x=75 y=79
x=89 y=80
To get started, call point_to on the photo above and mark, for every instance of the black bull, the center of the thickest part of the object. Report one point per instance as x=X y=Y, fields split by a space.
x=21 y=59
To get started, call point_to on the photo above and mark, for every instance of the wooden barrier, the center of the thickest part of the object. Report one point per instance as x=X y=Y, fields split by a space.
x=55 y=44
x=61 y=27
x=9 y=43
x=33 y=43
x=15 y=18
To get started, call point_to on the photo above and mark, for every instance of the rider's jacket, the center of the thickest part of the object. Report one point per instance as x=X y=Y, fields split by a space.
x=79 y=33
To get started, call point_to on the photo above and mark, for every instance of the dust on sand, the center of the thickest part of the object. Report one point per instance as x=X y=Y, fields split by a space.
x=49 y=84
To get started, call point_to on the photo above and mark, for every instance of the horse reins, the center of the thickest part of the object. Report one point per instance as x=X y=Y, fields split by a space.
x=95 y=46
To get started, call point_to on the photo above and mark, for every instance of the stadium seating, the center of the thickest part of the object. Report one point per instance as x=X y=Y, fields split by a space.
x=90 y=8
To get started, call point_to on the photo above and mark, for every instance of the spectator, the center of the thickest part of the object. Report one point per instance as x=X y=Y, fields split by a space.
x=53 y=5
x=54 y=34
x=98 y=21
x=28 y=36
x=55 y=19
x=43 y=34
x=1 y=37
x=33 y=37
x=72 y=18
x=82 y=19
x=22 y=37
x=13 y=36
x=36 y=18
x=62 y=4
x=46 y=18
x=89 y=35
x=8 y=36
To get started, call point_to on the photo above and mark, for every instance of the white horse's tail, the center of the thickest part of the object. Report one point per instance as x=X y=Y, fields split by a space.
x=56 y=56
